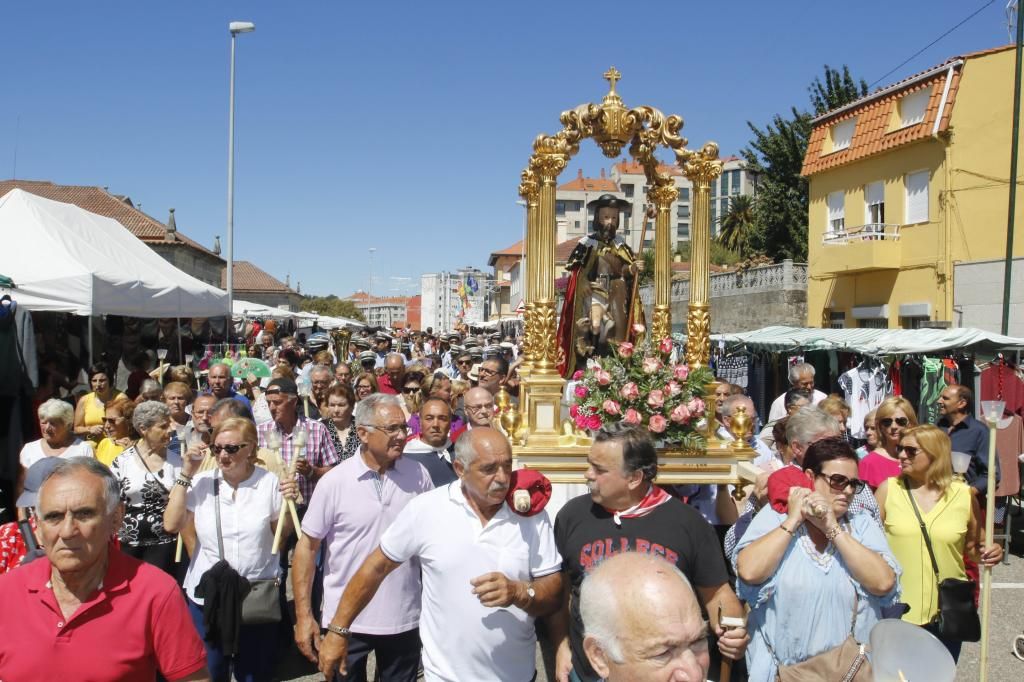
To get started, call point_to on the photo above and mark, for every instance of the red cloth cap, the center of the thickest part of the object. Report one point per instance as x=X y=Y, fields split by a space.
x=779 y=484
x=533 y=482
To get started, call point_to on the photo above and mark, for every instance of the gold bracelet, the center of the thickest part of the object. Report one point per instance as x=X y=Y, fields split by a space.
x=792 y=533
x=835 y=532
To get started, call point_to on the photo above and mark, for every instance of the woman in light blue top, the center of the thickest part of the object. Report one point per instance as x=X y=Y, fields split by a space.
x=805 y=572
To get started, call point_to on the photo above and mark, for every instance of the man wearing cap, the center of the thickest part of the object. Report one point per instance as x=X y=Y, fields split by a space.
x=463 y=363
x=89 y=611
x=601 y=290
x=383 y=347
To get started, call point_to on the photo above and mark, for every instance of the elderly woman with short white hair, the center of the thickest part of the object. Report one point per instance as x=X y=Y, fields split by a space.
x=56 y=423
x=146 y=471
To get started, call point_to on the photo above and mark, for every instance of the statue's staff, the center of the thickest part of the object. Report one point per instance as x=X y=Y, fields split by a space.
x=636 y=278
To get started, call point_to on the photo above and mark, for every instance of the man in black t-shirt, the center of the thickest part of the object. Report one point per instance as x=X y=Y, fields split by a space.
x=625 y=512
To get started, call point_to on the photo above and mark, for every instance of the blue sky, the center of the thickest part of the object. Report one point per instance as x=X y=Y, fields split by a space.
x=403 y=126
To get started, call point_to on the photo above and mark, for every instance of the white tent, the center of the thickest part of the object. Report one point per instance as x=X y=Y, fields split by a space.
x=66 y=259
x=248 y=309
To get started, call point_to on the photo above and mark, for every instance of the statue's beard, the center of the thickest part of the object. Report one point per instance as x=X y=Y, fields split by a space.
x=606 y=232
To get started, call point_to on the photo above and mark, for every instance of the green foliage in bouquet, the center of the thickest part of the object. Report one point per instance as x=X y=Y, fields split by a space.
x=639 y=385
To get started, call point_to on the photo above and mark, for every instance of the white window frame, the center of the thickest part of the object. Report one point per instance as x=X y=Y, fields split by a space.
x=842 y=134
x=836 y=212
x=916 y=195
x=874 y=203
x=913 y=107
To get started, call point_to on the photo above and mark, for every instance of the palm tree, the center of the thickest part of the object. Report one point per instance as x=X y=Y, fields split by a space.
x=737 y=225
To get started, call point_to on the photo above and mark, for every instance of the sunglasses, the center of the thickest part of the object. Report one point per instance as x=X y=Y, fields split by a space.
x=112 y=420
x=411 y=389
x=230 y=449
x=838 y=483
x=887 y=422
x=910 y=452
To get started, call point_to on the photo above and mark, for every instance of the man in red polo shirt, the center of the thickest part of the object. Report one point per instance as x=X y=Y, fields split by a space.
x=90 y=612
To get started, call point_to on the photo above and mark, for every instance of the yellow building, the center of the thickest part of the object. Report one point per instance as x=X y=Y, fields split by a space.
x=908 y=192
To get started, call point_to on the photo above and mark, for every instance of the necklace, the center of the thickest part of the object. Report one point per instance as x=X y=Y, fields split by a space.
x=825 y=557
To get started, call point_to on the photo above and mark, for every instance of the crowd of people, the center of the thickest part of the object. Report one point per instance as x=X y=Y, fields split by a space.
x=160 y=532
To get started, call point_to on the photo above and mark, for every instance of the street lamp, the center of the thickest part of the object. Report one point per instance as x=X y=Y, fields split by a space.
x=235 y=27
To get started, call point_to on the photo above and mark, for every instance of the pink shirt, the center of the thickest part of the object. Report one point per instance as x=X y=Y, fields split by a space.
x=875 y=468
x=135 y=625
x=350 y=509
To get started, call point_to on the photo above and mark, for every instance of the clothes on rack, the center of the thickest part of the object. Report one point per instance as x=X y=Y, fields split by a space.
x=19 y=378
x=933 y=382
x=864 y=388
x=733 y=370
x=1002 y=381
x=1009 y=446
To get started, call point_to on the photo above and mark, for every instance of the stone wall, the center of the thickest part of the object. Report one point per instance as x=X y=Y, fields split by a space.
x=201 y=266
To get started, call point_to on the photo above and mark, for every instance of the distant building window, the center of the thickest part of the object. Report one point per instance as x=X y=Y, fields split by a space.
x=682 y=211
x=723 y=206
x=684 y=194
x=913 y=322
x=917 y=197
x=725 y=184
x=874 y=203
x=836 y=216
x=873 y=323
x=842 y=134
x=735 y=181
x=577 y=224
x=683 y=231
x=913 y=107
x=628 y=190
x=559 y=208
x=837 y=320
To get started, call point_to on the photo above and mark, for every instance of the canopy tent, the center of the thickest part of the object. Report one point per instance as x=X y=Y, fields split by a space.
x=66 y=259
x=878 y=342
x=249 y=310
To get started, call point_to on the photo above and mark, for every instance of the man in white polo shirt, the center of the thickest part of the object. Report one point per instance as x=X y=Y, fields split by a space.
x=487 y=572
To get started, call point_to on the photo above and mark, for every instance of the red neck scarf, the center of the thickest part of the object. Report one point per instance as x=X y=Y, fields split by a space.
x=655 y=497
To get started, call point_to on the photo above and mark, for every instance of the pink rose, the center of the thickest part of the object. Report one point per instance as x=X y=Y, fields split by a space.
x=681 y=372
x=577 y=375
x=581 y=422
x=673 y=388
x=680 y=415
x=658 y=424
x=656 y=398
x=574 y=410
x=593 y=422
x=611 y=407
x=581 y=391
x=695 y=406
x=651 y=365
x=629 y=391
x=665 y=346
x=603 y=377
x=631 y=416
x=626 y=350
x=639 y=328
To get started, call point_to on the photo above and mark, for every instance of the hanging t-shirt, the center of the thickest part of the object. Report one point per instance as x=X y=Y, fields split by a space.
x=864 y=388
x=933 y=382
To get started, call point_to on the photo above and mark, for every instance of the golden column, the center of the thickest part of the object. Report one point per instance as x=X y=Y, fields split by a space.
x=661 y=195
x=701 y=168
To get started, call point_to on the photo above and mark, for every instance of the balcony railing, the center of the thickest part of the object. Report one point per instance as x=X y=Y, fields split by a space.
x=863 y=233
x=784 y=276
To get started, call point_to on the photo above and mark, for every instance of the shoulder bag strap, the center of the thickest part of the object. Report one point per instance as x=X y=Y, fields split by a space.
x=924 y=531
x=216 y=507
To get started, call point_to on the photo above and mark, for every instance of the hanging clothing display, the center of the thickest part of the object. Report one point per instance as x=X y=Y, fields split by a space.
x=732 y=370
x=864 y=388
x=1001 y=381
x=1009 y=446
x=933 y=382
x=19 y=377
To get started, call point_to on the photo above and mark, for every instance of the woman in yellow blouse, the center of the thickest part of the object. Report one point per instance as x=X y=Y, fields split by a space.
x=91 y=409
x=948 y=509
x=117 y=427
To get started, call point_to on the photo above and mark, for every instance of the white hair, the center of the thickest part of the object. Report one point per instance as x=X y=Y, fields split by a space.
x=149 y=413
x=599 y=604
x=54 y=410
x=111 y=486
x=730 y=403
x=809 y=422
x=366 y=409
x=798 y=369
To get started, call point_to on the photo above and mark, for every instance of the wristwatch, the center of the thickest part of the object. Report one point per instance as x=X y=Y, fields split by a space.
x=530 y=592
x=340 y=631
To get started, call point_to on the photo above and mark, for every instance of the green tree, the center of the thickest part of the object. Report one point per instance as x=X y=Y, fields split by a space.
x=720 y=254
x=331 y=306
x=737 y=225
x=776 y=156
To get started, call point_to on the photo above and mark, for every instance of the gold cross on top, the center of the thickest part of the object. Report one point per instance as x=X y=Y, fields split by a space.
x=612 y=75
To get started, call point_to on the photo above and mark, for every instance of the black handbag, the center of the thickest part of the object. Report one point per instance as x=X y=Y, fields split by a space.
x=262 y=604
x=957 y=618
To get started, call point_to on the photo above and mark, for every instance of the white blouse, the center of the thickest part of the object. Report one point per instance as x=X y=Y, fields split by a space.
x=33 y=452
x=245 y=524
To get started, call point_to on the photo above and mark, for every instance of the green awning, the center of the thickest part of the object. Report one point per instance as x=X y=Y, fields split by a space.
x=6 y=282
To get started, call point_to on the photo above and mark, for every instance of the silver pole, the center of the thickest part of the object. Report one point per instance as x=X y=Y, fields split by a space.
x=231 y=191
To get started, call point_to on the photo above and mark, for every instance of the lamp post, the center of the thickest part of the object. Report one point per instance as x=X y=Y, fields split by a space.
x=235 y=27
x=993 y=412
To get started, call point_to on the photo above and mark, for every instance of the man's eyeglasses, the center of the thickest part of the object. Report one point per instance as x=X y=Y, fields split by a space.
x=887 y=422
x=464 y=362
x=838 y=483
x=477 y=408
x=392 y=431
x=230 y=449
x=909 y=451
x=484 y=372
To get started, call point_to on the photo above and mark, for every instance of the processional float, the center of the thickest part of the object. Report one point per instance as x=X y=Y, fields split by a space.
x=642 y=130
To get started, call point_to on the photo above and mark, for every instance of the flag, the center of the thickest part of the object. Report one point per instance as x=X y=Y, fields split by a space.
x=473 y=286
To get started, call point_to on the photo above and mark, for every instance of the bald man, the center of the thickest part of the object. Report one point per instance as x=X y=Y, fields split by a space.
x=479 y=405
x=642 y=622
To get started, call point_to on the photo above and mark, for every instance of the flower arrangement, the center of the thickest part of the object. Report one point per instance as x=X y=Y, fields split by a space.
x=640 y=385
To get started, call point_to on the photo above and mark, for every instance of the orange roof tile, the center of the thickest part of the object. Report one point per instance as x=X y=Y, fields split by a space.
x=100 y=201
x=363 y=297
x=874 y=111
x=514 y=250
x=635 y=168
x=248 y=277
x=582 y=184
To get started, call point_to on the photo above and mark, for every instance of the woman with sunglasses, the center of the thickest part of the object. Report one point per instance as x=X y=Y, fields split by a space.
x=365 y=385
x=946 y=506
x=809 y=571
x=892 y=417
x=118 y=431
x=250 y=500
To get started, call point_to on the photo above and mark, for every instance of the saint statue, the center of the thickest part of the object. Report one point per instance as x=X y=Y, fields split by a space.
x=601 y=300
